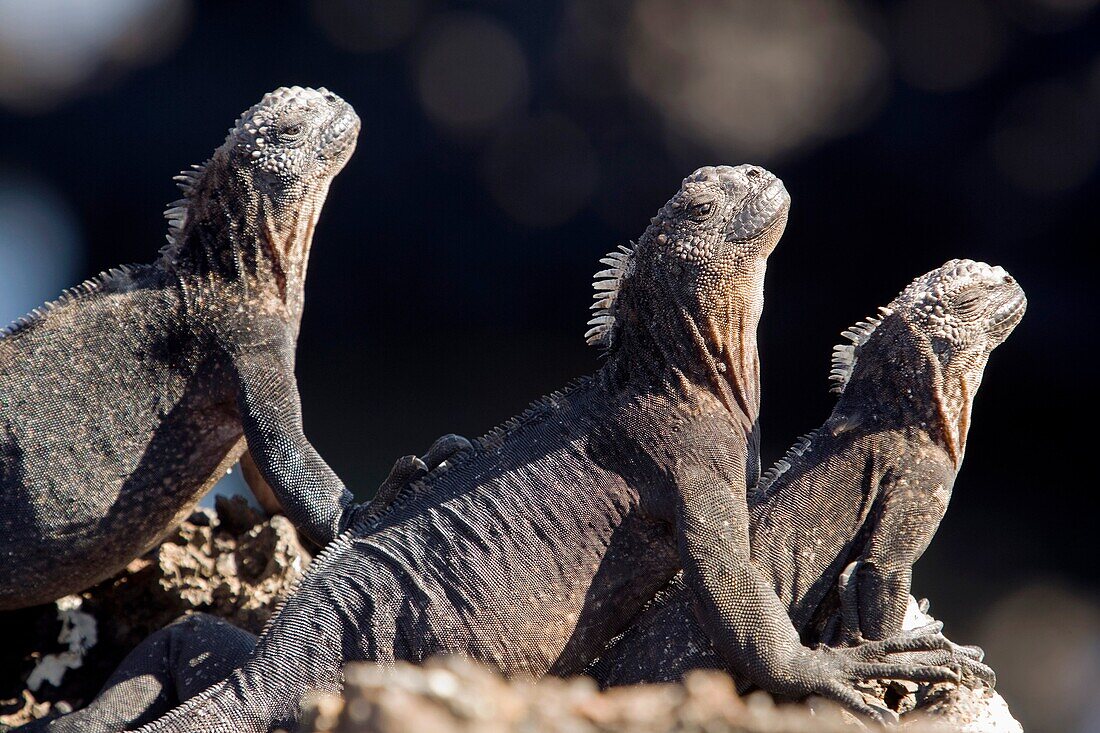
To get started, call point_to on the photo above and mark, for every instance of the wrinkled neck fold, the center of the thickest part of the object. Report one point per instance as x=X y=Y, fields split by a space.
x=696 y=347
x=955 y=402
x=234 y=234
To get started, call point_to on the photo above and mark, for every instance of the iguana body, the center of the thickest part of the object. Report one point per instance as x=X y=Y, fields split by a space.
x=125 y=400
x=869 y=487
x=535 y=548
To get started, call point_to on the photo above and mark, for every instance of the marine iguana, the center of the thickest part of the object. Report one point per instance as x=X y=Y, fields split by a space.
x=868 y=488
x=122 y=402
x=535 y=548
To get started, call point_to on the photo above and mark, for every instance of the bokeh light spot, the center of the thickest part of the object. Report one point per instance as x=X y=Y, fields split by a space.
x=40 y=251
x=541 y=171
x=1047 y=140
x=360 y=26
x=471 y=72
x=1044 y=641
x=945 y=45
x=1049 y=16
x=751 y=80
x=50 y=49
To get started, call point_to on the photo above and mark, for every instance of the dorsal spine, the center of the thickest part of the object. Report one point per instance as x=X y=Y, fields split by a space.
x=620 y=263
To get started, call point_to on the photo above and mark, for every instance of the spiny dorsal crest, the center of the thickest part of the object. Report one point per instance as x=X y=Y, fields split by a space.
x=845 y=355
x=607 y=283
x=120 y=278
x=796 y=451
x=176 y=213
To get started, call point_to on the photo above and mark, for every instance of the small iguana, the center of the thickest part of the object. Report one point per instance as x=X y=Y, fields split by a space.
x=122 y=402
x=867 y=488
x=538 y=546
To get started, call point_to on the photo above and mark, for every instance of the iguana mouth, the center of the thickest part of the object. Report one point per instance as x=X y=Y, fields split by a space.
x=1005 y=318
x=342 y=133
x=762 y=211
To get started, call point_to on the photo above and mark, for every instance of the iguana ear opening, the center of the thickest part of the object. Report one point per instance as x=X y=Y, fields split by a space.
x=839 y=424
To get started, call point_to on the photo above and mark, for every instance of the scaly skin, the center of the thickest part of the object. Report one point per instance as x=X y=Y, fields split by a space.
x=197 y=651
x=868 y=489
x=124 y=401
x=535 y=548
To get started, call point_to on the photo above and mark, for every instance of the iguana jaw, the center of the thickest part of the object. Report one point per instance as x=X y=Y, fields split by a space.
x=962 y=374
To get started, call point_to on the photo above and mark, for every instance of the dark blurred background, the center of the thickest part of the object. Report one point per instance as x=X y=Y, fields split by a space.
x=507 y=146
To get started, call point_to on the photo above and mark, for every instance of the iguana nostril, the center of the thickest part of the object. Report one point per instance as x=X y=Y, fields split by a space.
x=753 y=173
x=1008 y=279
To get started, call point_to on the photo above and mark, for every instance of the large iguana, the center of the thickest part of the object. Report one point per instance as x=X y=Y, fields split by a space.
x=535 y=548
x=868 y=488
x=122 y=402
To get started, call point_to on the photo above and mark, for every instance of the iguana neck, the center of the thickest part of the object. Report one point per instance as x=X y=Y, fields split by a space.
x=232 y=233
x=899 y=385
x=693 y=348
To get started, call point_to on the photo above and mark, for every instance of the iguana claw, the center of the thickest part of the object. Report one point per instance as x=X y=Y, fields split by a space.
x=410 y=468
x=445 y=448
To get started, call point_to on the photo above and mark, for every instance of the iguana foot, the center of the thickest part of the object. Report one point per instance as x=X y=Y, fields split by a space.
x=833 y=673
x=410 y=468
x=967 y=657
x=405 y=470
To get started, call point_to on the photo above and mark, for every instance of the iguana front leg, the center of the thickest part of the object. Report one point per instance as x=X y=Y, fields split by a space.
x=312 y=495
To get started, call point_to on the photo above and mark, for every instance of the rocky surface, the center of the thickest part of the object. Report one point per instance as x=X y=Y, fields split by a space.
x=232 y=562
x=455 y=695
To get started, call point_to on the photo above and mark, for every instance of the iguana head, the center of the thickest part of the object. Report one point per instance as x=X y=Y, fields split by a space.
x=292 y=141
x=269 y=178
x=691 y=290
x=931 y=344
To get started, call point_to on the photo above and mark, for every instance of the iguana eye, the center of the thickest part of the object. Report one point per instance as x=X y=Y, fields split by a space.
x=969 y=303
x=701 y=210
x=291 y=132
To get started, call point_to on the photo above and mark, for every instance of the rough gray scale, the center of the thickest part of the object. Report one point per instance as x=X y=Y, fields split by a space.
x=538 y=546
x=861 y=497
x=122 y=402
